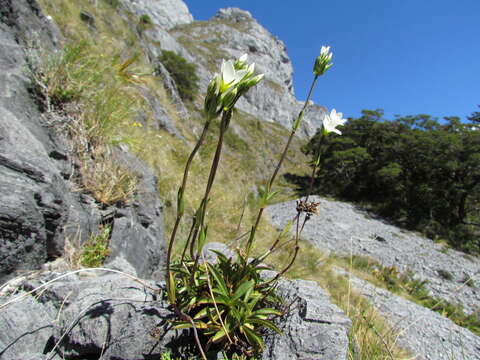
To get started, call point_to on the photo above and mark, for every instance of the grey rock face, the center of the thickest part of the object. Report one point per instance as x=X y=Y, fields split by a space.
x=123 y=319
x=313 y=329
x=424 y=332
x=36 y=201
x=25 y=328
x=110 y=314
x=164 y=13
x=39 y=207
x=137 y=234
x=344 y=229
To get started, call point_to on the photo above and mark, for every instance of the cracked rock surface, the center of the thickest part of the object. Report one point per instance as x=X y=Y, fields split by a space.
x=82 y=316
x=344 y=229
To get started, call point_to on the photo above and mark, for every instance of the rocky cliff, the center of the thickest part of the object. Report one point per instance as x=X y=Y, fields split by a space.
x=41 y=209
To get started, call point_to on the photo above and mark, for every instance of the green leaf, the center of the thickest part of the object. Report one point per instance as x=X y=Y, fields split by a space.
x=222 y=286
x=187 y=324
x=252 y=337
x=182 y=325
x=265 y=323
x=202 y=238
x=171 y=289
x=243 y=289
x=267 y=311
x=218 y=336
x=221 y=257
x=201 y=314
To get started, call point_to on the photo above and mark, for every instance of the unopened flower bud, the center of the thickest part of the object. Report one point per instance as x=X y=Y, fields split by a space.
x=323 y=61
x=241 y=63
x=212 y=99
x=230 y=98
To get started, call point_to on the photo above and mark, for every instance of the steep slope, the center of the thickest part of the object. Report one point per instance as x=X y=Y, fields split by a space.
x=434 y=311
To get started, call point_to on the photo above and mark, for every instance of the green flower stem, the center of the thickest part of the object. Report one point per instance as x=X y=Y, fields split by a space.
x=315 y=166
x=188 y=241
x=280 y=162
x=200 y=224
x=180 y=201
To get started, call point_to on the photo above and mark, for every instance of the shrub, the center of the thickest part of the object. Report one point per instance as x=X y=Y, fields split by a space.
x=144 y=23
x=183 y=73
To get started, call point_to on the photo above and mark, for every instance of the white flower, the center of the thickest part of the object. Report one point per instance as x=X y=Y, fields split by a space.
x=234 y=80
x=230 y=76
x=332 y=120
x=325 y=51
x=243 y=58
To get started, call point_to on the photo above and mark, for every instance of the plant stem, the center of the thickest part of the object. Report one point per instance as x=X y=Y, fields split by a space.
x=182 y=190
x=226 y=116
x=315 y=167
x=282 y=158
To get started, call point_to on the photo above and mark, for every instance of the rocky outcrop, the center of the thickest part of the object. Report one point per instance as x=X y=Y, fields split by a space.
x=123 y=318
x=314 y=328
x=427 y=334
x=35 y=198
x=163 y=15
x=344 y=229
x=40 y=207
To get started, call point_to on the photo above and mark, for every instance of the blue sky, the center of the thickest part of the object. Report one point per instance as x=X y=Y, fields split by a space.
x=405 y=56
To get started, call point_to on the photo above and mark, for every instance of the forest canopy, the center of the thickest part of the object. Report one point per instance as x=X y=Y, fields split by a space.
x=420 y=172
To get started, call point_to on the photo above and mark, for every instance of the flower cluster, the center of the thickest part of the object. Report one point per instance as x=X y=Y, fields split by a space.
x=235 y=79
x=323 y=61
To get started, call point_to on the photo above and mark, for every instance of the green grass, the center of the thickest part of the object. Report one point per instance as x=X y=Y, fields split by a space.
x=406 y=285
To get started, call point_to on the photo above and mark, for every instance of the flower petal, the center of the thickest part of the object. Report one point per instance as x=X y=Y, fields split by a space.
x=228 y=72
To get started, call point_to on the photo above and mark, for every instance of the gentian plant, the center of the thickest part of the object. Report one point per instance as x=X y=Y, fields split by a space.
x=227 y=302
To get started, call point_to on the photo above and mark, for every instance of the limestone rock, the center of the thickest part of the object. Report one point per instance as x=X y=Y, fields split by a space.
x=137 y=234
x=345 y=229
x=313 y=329
x=164 y=15
x=40 y=207
x=25 y=328
x=123 y=318
x=36 y=203
x=427 y=334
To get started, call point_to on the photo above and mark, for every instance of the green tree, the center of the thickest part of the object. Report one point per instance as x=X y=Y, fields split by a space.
x=415 y=170
x=183 y=73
